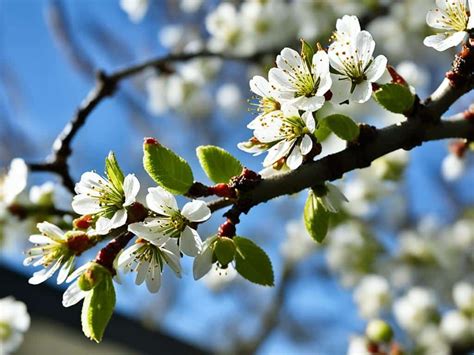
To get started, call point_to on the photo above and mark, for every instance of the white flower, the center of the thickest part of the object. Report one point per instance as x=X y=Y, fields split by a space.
x=372 y=294
x=14 y=321
x=203 y=261
x=14 y=182
x=51 y=252
x=171 y=222
x=453 y=17
x=453 y=167
x=136 y=9
x=300 y=85
x=463 y=295
x=190 y=6
x=287 y=136
x=148 y=259
x=415 y=310
x=457 y=327
x=356 y=68
x=98 y=196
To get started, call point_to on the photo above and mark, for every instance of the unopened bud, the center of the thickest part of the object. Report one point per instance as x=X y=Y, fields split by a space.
x=92 y=277
x=226 y=229
x=83 y=222
x=379 y=331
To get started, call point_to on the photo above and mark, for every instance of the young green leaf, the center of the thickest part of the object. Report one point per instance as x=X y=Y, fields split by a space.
x=218 y=164
x=316 y=218
x=395 y=98
x=113 y=171
x=307 y=53
x=252 y=262
x=342 y=126
x=97 y=309
x=166 y=168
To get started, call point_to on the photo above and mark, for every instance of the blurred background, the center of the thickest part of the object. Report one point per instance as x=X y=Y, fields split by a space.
x=408 y=225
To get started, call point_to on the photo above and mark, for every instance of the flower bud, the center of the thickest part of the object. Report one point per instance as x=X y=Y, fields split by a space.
x=379 y=331
x=92 y=277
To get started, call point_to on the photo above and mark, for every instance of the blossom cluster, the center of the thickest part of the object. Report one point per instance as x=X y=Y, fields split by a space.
x=299 y=86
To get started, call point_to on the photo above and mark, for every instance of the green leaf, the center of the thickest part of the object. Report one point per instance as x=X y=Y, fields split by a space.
x=395 y=98
x=316 y=218
x=166 y=168
x=252 y=262
x=97 y=309
x=224 y=250
x=307 y=52
x=322 y=132
x=342 y=126
x=218 y=164
x=113 y=171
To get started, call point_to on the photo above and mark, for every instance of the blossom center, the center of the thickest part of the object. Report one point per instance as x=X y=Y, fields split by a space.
x=5 y=331
x=457 y=16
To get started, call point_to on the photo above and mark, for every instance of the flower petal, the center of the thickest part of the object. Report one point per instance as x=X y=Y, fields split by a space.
x=295 y=159
x=131 y=186
x=83 y=204
x=40 y=239
x=340 y=89
x=260 y=86
x=161 y=201
x=51 y=230
x=202 y=263
x=362 y=92
x=196 y=211
x=306 y=144
x=190 y=243
x=365 y=46
x=73 y=295
x=309 y=121
x=142 y=270
x=376 y=69
x=153 y=278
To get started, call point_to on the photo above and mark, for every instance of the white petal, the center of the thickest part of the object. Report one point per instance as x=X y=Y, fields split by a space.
x=83 y=204
x=104 y=225
x=348 y=24
x=376 y=69
x=190 y=243
x=306 y=144
x=196 y=211
x=441 y=42
x=153 y=279
x=73 y=295
x=142 y=270
x=340 y=89
x=295 y=159
x=278 y=151
x=260 y=86
x=40 y=239
x=311 y=104
x=435 y=19
x=65 y=269
x=149 y=230
x=78 y=272
x=325 y=83
x=89 y=181
x=278 y=78
x=51 y=230
x=131 y=186
x=309 y=121
x=127 y=255
x=161 y=201
x=362 y=92
x=171 y=255
x=365 y=46
x=202 y=263
x=320 y=63
x=44 y=274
